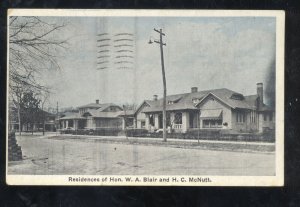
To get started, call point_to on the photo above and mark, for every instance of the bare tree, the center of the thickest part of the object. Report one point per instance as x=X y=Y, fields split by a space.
x=34 y=45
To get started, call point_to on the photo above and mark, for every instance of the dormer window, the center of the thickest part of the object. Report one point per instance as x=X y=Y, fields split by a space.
x=196 y=100
x=170 y=102
x=237 y=96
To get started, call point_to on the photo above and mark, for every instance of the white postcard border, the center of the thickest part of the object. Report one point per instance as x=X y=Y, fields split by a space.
x=203 y=180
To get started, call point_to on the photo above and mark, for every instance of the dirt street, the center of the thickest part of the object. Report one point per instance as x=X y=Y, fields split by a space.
x=47 y=156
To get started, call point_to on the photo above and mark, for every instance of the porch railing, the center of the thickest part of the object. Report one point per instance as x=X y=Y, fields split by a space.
x=177 y=126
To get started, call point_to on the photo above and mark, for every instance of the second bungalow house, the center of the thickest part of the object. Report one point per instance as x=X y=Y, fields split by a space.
x=210 y=109
x=92 y=116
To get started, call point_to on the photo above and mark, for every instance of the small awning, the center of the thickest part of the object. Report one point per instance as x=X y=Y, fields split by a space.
x=211 y=114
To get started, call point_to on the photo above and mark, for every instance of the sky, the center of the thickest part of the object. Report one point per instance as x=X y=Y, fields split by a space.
x=204 y=52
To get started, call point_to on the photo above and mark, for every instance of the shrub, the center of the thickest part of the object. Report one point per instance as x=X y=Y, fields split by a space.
x=136 y=132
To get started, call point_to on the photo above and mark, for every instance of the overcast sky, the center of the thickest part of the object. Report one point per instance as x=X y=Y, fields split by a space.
x=209 y=53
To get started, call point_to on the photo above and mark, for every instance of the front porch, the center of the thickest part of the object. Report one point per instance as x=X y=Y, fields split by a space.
x=73 y=123
x=177 y=121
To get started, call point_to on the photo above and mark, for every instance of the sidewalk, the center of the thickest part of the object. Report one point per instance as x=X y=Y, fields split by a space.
x=178 y=143
x=168 y=139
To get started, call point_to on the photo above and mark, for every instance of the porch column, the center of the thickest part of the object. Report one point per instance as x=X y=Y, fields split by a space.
x=123 y=123
x=172 y=118
x=67 y=124
x=185 y=121
x=201 y=123
x=147 y=122
x=134 y=123
x=75 y=124
x=156 y=121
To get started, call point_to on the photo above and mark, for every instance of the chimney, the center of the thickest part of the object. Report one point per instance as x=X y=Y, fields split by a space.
x=260 y=93
x=194 y=89
x=154 y=97
x=97 y=101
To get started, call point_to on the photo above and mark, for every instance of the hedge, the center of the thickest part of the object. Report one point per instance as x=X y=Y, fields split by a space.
x=214 y=134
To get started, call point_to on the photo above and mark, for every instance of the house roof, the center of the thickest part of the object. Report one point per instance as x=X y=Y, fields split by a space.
x=101 y=114
x=148 y=103
x=95 y=110
x=185 y=100
x=71 y=115
x=127 y=113
x=98 y=106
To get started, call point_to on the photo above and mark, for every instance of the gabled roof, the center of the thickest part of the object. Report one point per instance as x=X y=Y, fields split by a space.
x=185 y=100
x=225 y=97
x=148 y=103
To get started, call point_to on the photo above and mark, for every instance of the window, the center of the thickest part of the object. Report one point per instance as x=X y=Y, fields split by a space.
x=265 y=117
x=196 y=100
x=240 y=117
x=206 y=123
x=170 y=102
x=252 y=116
x=143 y=124
x=178 y=118
x=236 y=96
x=212 y=123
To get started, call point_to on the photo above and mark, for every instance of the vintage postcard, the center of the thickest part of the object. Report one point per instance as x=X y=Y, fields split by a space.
x=145 y=97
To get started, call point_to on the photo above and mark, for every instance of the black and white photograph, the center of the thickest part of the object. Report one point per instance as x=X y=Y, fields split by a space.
x=135 y=97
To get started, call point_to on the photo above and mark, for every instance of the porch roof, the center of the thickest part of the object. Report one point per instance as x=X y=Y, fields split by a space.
x=73 y=116
x=101 y=114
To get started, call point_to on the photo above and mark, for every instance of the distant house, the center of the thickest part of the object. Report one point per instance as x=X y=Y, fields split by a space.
x=210 y=109
x=41 y=117
x=92 y=116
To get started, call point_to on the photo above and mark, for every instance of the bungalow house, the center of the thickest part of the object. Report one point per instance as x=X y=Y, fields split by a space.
x=41 y=118
x=92 y=116
x=210 y=109
x=137 y=118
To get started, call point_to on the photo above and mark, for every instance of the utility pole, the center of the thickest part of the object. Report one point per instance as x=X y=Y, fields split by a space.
x=125 y=121
x=161 y=44
x=57 y=116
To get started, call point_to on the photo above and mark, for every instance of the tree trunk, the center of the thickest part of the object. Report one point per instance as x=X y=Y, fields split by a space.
x=19 y=119
x=44 y=124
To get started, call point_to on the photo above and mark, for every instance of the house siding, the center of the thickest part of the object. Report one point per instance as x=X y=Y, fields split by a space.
x=238 y=126
x=266 y=123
